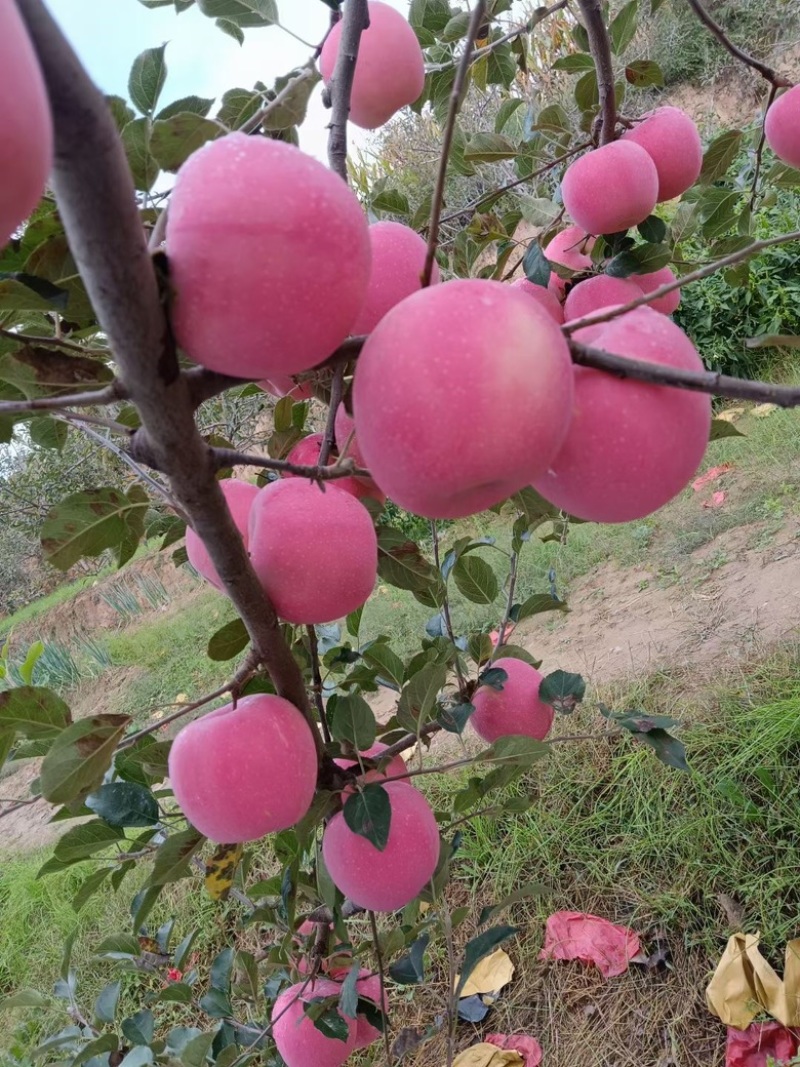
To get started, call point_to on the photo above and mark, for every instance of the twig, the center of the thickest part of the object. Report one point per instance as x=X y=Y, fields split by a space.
x=512 y=584
x=356 y=20
x=229 y=457
x=448 y=622
x=97 y=203
x=18 y=806
x=121 y=454
x=457 y=91
x=702 y=272
x=785 y=396
x=158 y=233
x=775 y=79
x=410 y=740
x=205 y=384
x=55 y=342
x=527 y=27
x=600 y=48
x=234 y=687
x=263 y=113
x=760 y=150
x=329 y=437
x=316 y=675
x=376 y=944
x=473 y=204
x=110 y=394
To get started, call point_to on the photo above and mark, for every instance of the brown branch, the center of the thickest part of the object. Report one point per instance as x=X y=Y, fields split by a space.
x=356 y=20
x=457 y=92
x=376 y=944
x=329 y=437
x=234 y=687
x=772 y=76
x=600 y=48
x=760 y=150
x=96 y=199
x=205 y=384
x=344 y=468
x=110 y=394
x=316 y=676
x=785 y=396
x=257 y=119
x=696 y=275
x=55 y=342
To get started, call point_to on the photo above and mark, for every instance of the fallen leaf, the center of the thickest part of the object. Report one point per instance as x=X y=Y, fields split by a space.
x=716 y=500
x=751 y=1047
x=572 y=935
x=711 y=475
x=485 y=1055
x=731 y=414
x=490 y=975
x=528 y=1047
x=762 y=410
x=744 y=985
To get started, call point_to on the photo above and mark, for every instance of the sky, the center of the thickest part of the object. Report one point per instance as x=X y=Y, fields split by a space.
x=201 y=60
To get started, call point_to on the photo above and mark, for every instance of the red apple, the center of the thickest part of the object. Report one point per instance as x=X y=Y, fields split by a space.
x=299 y=1041
x=398 y=259
x=600 y=291
x=546 y=298
x=514 y=709
x=612 y=188
x=668 y=304
x=239 y=497
x=670 y=138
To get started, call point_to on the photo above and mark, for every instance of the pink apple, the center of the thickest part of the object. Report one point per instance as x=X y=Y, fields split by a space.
x=390 y=69
x=250 y=219
x=600 y=291
x=782 y=127
x=398 y=259
x=668 y=304
x=610 y=189
x=395 y=766
x=283 y=385
x=239 y=497
x=314 y=550
x=241 y=772
x=346 y=443
x=670 y=138
x=299 y=1041
x=631 y=446
x=462 y=395
x=546 y=298
x=514 y=709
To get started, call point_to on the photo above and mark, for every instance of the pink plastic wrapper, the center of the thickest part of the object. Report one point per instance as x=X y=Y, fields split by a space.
x=711 y=476
x=528 y=1047
x=750 y=1047
x=572 y=935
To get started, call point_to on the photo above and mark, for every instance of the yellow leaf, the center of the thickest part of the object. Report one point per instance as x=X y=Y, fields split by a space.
x=485 y=1055
x=221 y=870
x=730 y=414
x=492 y=973
x=762 y=410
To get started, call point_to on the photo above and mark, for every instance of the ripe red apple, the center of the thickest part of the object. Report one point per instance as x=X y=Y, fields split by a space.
x=546 y=298
x=390 y=69
x=248 y=218
x=610 y=189
x=398 y=259
x=387 y=880
x=571 y=248
x=600 y=291
x=514 y=709
x=346 y=443
x=395 y=766
x=283 y=385
x=314 y=550
x=631 y=446
x=241 y=772
x=299 y=1041
x=368 y=985
x=782 y=127
x=462 y=393
x=26 y=129
x=649 y=282
x=670 y=138
x=305 y=453
x=239 y=497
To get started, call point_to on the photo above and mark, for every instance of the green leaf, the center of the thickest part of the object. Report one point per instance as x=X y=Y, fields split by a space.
x=239 y=105
x=419 y=696
x=228 y=641
x=353 y=720
x=577 y=62
x=536 y=605
x=719 y=155
x=368 y=813
x=386 y=662
x=24 y=292
x=124 y=804
x=25 y=998
x=220 y=975
x=80 y=756
x=174 y=856
x=33 y=712
x=488 y=148
x=538 y=211
x=147 y=77
x=402 y=564
x=476 y=580
x=139 y=1029
x=643 y=72
x=454 y=720
x=667 y=748
x=536 y=265
x=120 y=112
x=494 y=677
x=456 y=28
x=119 y=946
x=410 y=969
x=505 y=111
x=101 y=1045
x=515 y=652
x=292 y=109
x=653 y=229
x=136 y=142
x=176 y=138
x=105 y=1007
x=478 y=948
x=48 y=433
x=353 y=622
x=89 y=523
x=587 y=94
x=89 y=887
x=562 y=691
x=722 y=428
x=197 y=105
x=246 y=14
x=392 y=201
x=84 y=840
x=623 y=28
